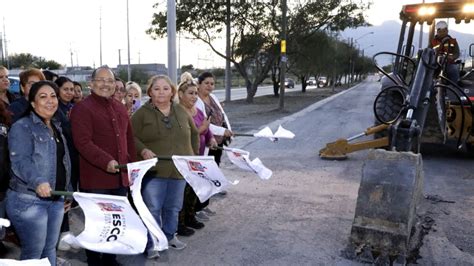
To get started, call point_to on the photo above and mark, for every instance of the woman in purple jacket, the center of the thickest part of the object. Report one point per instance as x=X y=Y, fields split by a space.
x=187 y=93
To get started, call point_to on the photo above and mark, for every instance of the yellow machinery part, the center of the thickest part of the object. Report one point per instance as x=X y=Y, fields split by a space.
x=339 y=149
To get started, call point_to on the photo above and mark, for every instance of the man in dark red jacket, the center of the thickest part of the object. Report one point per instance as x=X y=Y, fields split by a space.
x=103 y=136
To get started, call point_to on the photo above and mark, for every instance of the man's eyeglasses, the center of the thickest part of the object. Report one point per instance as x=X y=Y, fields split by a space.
x=167 y=122
x=106 y=81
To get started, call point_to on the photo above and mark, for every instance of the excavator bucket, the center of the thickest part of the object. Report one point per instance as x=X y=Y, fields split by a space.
x=389 y=191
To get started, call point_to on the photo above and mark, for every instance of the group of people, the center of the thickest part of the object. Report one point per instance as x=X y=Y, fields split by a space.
x=51 y=140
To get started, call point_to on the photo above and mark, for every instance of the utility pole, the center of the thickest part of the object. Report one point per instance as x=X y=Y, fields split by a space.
x=283 y=55
x=100 y=35
x=1 y=48
x=5 y=41
x=334 y=74
x=179 y=53
x=120 y=57
x=351 y=61
x=171 y=31
x=129 y=72
x=70 y=51
x=228 y=73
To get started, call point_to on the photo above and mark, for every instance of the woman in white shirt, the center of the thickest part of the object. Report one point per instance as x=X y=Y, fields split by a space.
x=219 y=126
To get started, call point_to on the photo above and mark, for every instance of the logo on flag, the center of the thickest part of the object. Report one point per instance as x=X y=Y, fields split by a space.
x=202 y=174
x=196 y=166
x=111 y=225
x=237 y=154
x=241 y=159
x=109 y=207
x=134 y=175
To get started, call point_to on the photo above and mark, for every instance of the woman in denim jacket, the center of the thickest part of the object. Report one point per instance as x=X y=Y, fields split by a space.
x=39 y=164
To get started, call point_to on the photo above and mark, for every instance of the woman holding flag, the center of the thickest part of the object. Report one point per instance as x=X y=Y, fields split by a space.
x=163 y=128
x=187 y=93
x=40 y=163
x=208 y=103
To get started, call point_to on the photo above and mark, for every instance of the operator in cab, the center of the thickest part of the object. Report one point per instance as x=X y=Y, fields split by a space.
x=444 y=43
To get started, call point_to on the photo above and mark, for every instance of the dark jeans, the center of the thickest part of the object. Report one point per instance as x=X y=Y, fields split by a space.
x=188 y=212
x=97 y=258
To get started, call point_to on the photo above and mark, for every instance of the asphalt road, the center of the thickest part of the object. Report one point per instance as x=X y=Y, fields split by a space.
x=303 y=214
x=241 y=93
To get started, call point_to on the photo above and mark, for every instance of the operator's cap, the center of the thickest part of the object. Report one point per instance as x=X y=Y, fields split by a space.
x=441 y=25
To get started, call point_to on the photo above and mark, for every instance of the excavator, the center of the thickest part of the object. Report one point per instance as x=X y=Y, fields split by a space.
x=417 y=104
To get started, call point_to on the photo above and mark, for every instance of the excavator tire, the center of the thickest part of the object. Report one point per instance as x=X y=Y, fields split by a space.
x=385 y=213
x=388 y=106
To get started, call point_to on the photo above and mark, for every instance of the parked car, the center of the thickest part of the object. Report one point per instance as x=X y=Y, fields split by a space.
x=311 y=81
x=14 y=85
x=289 y=83
x=322 y=82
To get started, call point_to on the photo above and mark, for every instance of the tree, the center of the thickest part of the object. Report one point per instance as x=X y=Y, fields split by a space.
x=23 y=60
x=188 y=68
x=26 y=60
x=310 y=50
x=137 y=75
x=311 y=55
x=256 y=29
x=47 y=64
x=254 y=37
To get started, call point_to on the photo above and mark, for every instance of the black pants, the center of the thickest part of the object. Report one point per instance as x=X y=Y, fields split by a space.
x=65 y=224
x=97 y=258
x=217 y=154
x=189 y=206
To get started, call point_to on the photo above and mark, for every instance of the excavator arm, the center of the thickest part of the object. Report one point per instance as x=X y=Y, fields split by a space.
x=339 y=149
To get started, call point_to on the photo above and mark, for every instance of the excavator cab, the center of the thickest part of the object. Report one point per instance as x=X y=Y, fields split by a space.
x=449 y=117
x=417 y=103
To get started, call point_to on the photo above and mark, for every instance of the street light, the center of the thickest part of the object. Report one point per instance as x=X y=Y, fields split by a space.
x=351 y=60
x=363 y=35
x=366 y=48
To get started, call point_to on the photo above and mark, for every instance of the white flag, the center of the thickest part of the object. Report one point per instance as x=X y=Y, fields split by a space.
x=202 y=174
x=266 y=132
x=281 y=133
x=111 y=225
x=136 y=171
x=242 y=160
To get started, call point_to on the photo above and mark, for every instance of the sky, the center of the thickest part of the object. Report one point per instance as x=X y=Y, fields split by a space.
x=54 y=28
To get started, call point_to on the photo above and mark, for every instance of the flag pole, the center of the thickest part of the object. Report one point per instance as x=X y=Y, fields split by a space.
x=61 y=193
x=163 y=158
x=243 y=135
